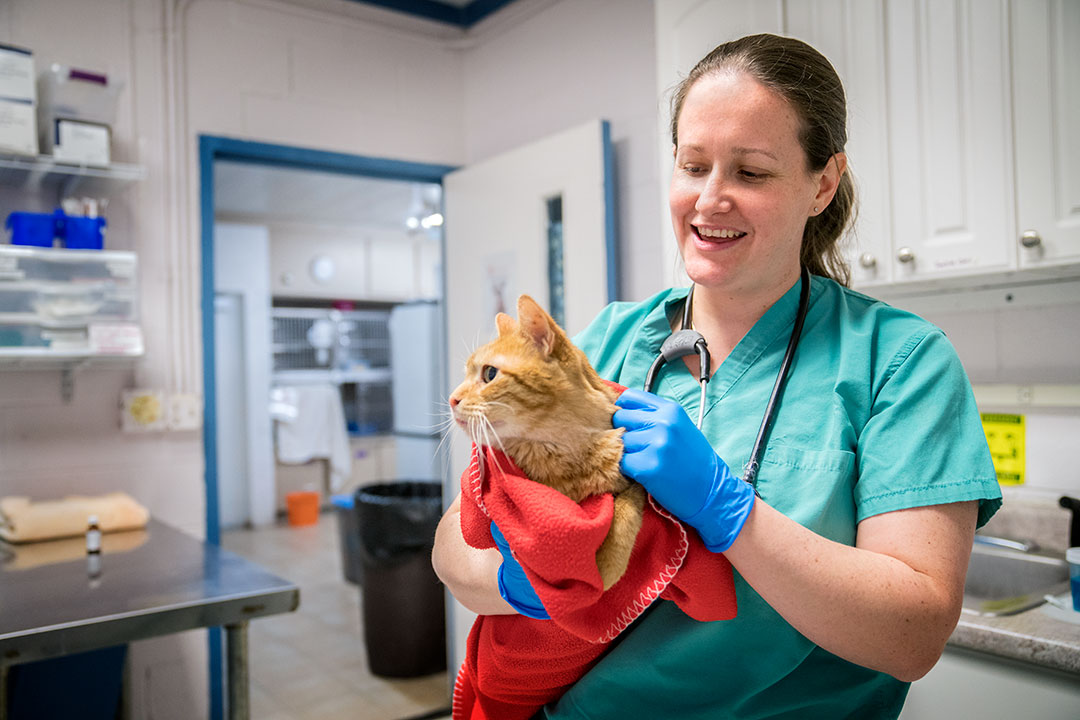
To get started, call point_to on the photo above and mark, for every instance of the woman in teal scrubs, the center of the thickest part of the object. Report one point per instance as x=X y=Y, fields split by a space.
x=850 y=560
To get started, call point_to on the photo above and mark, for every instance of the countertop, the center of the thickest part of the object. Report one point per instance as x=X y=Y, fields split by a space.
x=1035 y=636
x=55 y=599
x=1040 y=636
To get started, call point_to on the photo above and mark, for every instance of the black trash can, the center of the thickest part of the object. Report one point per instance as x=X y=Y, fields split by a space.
x=403 y=609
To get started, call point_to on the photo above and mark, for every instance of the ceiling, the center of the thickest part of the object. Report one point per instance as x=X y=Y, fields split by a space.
x=260 y=193
x=460 y=13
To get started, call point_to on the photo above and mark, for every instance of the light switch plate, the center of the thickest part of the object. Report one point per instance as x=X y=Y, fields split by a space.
x=185 y=411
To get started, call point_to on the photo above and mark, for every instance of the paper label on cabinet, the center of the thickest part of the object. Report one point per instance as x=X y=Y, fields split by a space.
x=115 y=339
x=1005 y=436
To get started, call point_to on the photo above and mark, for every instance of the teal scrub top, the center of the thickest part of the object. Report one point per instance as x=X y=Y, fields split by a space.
x=877 y=415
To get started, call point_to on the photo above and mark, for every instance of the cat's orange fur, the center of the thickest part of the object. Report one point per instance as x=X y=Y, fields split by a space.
x=534 y=395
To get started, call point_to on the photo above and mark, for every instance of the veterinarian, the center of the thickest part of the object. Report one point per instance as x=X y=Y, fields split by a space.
x=851 y=546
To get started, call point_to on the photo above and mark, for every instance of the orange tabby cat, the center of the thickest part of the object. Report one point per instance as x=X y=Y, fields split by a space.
x=532 y=394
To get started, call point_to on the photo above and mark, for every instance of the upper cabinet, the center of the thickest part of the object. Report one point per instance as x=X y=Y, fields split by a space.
x=851 y=34
x=963 y=118
x=1046 y=96
x=950 y=153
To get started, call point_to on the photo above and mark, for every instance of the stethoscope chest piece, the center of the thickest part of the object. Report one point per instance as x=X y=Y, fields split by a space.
x=688 y=341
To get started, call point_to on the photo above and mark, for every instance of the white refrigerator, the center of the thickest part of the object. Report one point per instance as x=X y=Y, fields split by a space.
x=419 y=388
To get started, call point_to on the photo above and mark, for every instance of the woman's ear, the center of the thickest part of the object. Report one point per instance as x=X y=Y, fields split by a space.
x=830 y=181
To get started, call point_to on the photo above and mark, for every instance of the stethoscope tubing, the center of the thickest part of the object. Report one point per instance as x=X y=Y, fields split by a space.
x=686 y=342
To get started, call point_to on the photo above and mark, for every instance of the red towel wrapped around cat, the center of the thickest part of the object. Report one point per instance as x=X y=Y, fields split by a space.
x=515 y=665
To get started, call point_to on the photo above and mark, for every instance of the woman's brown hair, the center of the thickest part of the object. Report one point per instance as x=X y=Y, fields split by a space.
x=806 y=79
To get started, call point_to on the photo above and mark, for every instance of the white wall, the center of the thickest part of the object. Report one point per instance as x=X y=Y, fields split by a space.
x=257 y=70
x=573 y=61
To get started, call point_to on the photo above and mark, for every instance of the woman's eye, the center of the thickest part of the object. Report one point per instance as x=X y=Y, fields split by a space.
x=751 y=175
x=488 y=373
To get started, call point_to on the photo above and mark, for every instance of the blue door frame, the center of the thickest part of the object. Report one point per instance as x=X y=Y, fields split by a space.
x=212 y=149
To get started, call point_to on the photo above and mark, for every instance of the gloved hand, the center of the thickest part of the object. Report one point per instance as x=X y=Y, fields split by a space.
x=513 y=585
x=668 y=455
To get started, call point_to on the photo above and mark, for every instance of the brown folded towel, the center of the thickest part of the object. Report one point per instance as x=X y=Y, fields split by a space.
x=23 y=520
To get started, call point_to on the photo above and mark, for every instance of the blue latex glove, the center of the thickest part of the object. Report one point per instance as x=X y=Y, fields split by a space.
x=669 y=456
x=513 y=585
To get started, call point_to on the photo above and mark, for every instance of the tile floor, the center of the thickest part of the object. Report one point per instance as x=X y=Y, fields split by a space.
x=312 y=664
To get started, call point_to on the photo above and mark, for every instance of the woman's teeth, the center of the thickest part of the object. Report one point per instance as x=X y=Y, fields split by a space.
x=720 y=234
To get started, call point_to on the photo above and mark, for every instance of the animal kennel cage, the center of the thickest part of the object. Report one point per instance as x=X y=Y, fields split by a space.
x=348 y=348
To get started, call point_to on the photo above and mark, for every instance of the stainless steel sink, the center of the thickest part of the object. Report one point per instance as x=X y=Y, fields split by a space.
x=1004 y=581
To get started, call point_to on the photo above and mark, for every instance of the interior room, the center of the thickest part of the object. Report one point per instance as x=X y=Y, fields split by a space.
x=249 y=246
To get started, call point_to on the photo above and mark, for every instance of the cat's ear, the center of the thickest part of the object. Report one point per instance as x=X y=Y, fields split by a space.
x=537 y=325
x=505 y=324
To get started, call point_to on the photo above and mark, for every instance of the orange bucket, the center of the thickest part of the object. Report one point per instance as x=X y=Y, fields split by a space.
x=302 y=507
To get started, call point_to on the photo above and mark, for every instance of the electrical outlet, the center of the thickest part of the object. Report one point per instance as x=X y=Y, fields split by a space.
x=185 y=411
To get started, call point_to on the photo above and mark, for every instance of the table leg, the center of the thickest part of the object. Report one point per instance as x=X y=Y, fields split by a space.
x=236 y=641
x=3 y=690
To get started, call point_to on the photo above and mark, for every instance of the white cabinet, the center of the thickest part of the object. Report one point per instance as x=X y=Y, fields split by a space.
x=950 y=169
x=968 y=684
x=352 y=264
x=962 y=127
x=851 y=34
x=1046 y=94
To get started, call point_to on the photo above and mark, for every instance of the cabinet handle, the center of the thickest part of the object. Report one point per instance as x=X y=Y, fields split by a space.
x=905 y=255
x=1030 y=239
x=867 y=260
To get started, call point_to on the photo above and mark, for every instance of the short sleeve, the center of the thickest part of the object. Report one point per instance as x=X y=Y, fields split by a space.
x=923 y=443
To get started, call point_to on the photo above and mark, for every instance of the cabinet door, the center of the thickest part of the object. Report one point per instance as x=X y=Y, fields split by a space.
x=949 y=137
x=1046 y=88
x=851 y=34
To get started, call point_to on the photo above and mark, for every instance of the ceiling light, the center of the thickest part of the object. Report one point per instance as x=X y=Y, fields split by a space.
x=432 y=220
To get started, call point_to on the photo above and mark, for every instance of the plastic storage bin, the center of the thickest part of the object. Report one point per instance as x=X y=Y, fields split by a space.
x=84 y=100
x=45 y=289
x=33 y=229
x=352 y=564
x=84 y=233
x=403 y=608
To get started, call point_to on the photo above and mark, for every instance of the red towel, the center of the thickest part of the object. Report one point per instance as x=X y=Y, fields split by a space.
x=514 y=665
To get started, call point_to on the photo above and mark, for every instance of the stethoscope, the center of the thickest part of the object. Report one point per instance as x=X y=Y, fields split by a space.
x=687 y=341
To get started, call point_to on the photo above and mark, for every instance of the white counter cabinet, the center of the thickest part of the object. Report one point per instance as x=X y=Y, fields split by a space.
x=968 y=684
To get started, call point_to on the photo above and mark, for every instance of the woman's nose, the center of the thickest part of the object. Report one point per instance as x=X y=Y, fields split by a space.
x=714 y=196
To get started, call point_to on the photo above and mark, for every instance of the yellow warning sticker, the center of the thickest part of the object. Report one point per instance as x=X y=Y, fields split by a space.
x=1005 y=436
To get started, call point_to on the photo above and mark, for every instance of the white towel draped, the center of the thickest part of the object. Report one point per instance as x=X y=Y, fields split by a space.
x=317 y=431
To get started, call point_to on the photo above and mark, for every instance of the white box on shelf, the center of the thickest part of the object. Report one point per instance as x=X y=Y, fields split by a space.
x=75 y=141
x=18 y=127
x=17 y=74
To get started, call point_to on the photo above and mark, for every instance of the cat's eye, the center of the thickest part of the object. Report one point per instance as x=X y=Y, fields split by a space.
x=488 y=373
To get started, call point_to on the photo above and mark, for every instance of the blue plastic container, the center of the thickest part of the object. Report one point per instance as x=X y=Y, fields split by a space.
x=84 y=233
x=35 y=229
x=349 y=529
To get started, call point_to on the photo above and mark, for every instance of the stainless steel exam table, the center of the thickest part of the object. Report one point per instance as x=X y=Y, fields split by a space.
x=55 y=601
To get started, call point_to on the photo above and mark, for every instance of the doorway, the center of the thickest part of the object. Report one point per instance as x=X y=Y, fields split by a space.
x=241 y=309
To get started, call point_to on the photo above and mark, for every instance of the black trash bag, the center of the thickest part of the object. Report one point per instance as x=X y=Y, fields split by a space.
x=397 y=519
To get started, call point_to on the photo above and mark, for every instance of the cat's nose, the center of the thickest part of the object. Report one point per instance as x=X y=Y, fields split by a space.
x=453 y=402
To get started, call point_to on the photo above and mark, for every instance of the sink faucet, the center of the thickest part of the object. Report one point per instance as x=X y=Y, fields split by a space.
x=1073 y=505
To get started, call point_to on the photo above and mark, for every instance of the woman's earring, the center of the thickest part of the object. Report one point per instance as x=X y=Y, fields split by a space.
x=816 y=211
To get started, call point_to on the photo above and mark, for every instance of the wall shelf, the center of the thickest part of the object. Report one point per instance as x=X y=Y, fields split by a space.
x=66 y=361
x=43 y=173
